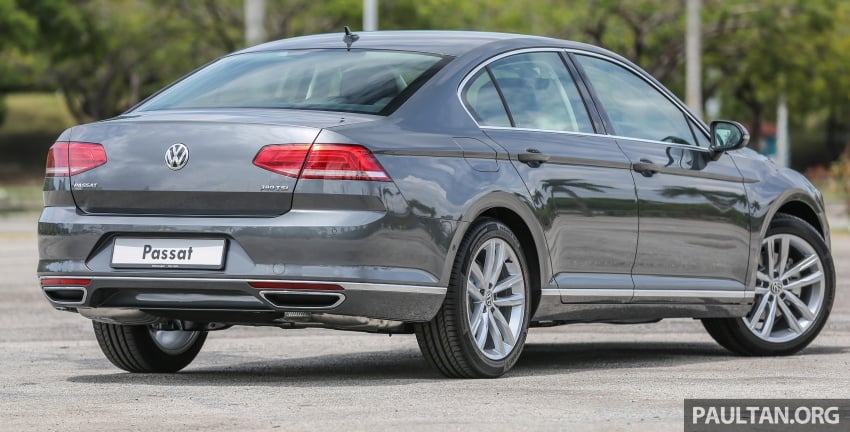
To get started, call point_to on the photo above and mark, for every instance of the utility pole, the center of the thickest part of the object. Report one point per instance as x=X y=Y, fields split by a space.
x=693 y=54
x=782 y=142
x=255 y=17
x=370 y=15
x=783 y=148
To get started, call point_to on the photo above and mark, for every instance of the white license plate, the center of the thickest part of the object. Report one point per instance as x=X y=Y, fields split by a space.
x=168 y=253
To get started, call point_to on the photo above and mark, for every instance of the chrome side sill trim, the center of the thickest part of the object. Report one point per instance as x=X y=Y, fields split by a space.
x=695 y=294
x=626 y=293
x=588 y=292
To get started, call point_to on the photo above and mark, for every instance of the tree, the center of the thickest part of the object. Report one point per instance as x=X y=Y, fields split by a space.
x=106 y=55
x=757 y=52
x=17 y=29
x=102 y=53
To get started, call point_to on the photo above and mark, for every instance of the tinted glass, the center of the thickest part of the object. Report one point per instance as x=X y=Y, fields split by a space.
x=334 y=80
x=702 y=139
x=636 y=109
x=540 y=93
x=483 y=101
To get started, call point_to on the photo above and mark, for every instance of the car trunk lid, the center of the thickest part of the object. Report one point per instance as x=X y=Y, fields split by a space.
x=194 y=163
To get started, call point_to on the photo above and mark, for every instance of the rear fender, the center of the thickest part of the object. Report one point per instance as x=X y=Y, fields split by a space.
x=520 y=206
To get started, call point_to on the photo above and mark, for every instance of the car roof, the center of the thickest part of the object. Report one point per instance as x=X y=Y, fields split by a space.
x=453 y=43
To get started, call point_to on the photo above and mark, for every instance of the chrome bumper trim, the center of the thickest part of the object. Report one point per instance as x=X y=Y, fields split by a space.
x=353 y=286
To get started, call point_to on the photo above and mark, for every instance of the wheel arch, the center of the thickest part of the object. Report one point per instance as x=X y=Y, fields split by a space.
x=801 y=205
x=793 y=201
x=803 y=211
x=520 y=218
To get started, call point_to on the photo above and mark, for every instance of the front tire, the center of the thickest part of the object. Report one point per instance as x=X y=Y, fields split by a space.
x=481 y=328
x=794 y=291
x=139 y=348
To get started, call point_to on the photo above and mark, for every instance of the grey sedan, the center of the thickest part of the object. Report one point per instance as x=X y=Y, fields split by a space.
x=461 y=186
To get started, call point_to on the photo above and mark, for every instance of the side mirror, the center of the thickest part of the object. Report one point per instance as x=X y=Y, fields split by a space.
x=727 y=135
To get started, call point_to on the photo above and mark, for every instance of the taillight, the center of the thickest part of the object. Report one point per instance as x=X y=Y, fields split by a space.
x=283 y=159
x=342 y=162
x=65 y=282
x=71 y=158
x=323 y=161
x=295 y=286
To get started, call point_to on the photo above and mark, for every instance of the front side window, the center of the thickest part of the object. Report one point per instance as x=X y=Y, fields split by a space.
x=634 y=107
x=334 y=80
x=702 y=138
x=537 y=90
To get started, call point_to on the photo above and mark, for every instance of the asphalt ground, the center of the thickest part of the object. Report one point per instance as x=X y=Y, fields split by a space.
x=591 y=377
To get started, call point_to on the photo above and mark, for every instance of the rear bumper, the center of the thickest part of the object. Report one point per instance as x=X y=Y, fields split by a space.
x=345 y=245
x=383 y=267
x=138 y=300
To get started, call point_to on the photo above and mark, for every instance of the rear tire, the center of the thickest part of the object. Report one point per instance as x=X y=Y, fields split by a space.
x=139 y=348
x=795 y=289
x=481 y=328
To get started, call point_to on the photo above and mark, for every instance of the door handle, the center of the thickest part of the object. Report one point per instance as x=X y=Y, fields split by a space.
x=646 y=167
x=533 y=157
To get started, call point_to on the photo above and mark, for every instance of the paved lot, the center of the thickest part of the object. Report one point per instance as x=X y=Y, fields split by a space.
x=581 y=377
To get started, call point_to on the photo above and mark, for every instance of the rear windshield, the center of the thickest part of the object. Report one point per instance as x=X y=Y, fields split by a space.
x=362 y=81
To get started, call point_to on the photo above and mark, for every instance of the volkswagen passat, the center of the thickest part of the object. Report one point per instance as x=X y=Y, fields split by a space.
x=460 y=186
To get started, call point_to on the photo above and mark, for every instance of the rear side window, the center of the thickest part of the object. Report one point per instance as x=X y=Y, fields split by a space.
x=484 y=102
x=334 y=80
x=537 y=89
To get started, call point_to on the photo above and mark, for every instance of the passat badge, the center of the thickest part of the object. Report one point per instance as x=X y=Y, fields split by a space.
x=177 y=156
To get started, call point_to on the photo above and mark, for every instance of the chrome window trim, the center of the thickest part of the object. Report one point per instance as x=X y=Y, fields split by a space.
x=671 y=144
x=664 y=92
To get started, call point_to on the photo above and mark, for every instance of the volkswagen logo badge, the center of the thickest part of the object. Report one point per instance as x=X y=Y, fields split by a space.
x=177 y=156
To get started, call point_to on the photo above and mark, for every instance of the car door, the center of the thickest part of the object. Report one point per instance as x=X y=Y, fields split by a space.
x=529 y=103
x=693 y=213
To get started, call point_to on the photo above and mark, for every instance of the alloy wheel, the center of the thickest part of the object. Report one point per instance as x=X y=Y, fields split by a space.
x=495 y=300
x=789 y=290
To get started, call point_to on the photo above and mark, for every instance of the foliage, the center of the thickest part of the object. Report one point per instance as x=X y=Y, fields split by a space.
x=105 y=55
x=16 y=29
x=776 y=50
x=840 y=174
x=36 y=111
x=33 y=122
x=16 y=26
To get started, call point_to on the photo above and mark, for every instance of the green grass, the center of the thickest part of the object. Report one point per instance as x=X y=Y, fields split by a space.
x=20 y=197
x=36 y=112
x=33 y=122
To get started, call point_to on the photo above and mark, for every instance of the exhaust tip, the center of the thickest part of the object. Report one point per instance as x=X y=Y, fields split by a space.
x=66 y=295
x=302 y=299
x=65 y=291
